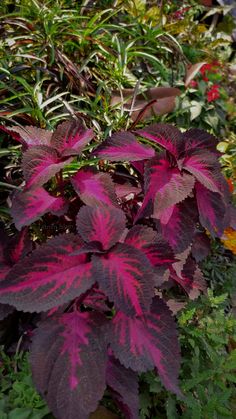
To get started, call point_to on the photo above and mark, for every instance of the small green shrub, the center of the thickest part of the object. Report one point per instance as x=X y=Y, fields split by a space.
x=18 y=398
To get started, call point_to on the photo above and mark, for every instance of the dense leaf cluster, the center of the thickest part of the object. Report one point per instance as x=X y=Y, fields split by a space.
x=137 y=233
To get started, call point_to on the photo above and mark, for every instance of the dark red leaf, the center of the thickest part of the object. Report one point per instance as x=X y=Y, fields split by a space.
x=5 y=265
x=206 y=169
x=201 y=246
x=158 y=173
x=187 y=273
x=17 y=246
x=28 y=206
x=198 y=139
x=123 y=384
x=50 y=276
x=5 y=310
x=157 y=250
x=12 y=249
x=175 y=191
x=126 y=277
x=123 y=146
x=40 y=164
x=68 y=359
x=94 y=188
x=126 y=191
x=29 y=136
x=167 y=136
x=139 y=166
x=211 y=210
x=101 y=224
x=149 y=341
x=179 y=230
x=71 y=137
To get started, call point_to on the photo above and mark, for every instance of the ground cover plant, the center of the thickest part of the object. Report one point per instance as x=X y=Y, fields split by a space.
x=107 y=218
x=137 y=232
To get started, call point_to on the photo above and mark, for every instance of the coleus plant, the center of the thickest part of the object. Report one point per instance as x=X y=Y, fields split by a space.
x=139 y=229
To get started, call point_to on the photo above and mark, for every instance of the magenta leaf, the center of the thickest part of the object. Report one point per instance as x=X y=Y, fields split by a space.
x=206 y=169
x=158 y=173
x=126 y=277
x=123 y=146
x=28 y=206
x=123 y=385
x=50 y=276
x=71 y=137
x=179 y=230
x=101 y=224
x=144 y=342
x=198 y=139
x=18 y=246
x=94 y=188
x=40 y=164
x=139 y=166
x=12 y=249
x=29 y=136
x=175 y=191
x=167 y=136
x=68 y=359
x=157 y=250
x=211 y=210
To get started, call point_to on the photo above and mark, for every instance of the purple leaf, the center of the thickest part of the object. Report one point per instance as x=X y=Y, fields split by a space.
x=175 y=191
x=123 y=384
x=158 y=173
x=71 y=137
x=5 y=311
x=206 y=169
x=157 y=250
x=187 y=273
x=126 y=191
x=232 y=216
x=179 y=230
x=126 y=277
x=29 y=136
x=12 y=249
x=94 y=188
x=167 y=136
x=211 y=210
x=201 y=246
x=50 y=276
x=139 y=166
x=101 y=224
x=198 y=139
x=28 y=206
x=17 y=246
x=5 y=265
x=68 y=359
x=123 y=146
x=149 y=341
x=40 y=164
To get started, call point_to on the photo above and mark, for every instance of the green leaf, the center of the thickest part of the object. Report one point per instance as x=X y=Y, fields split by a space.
x=195 y=109
x=171 y=412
